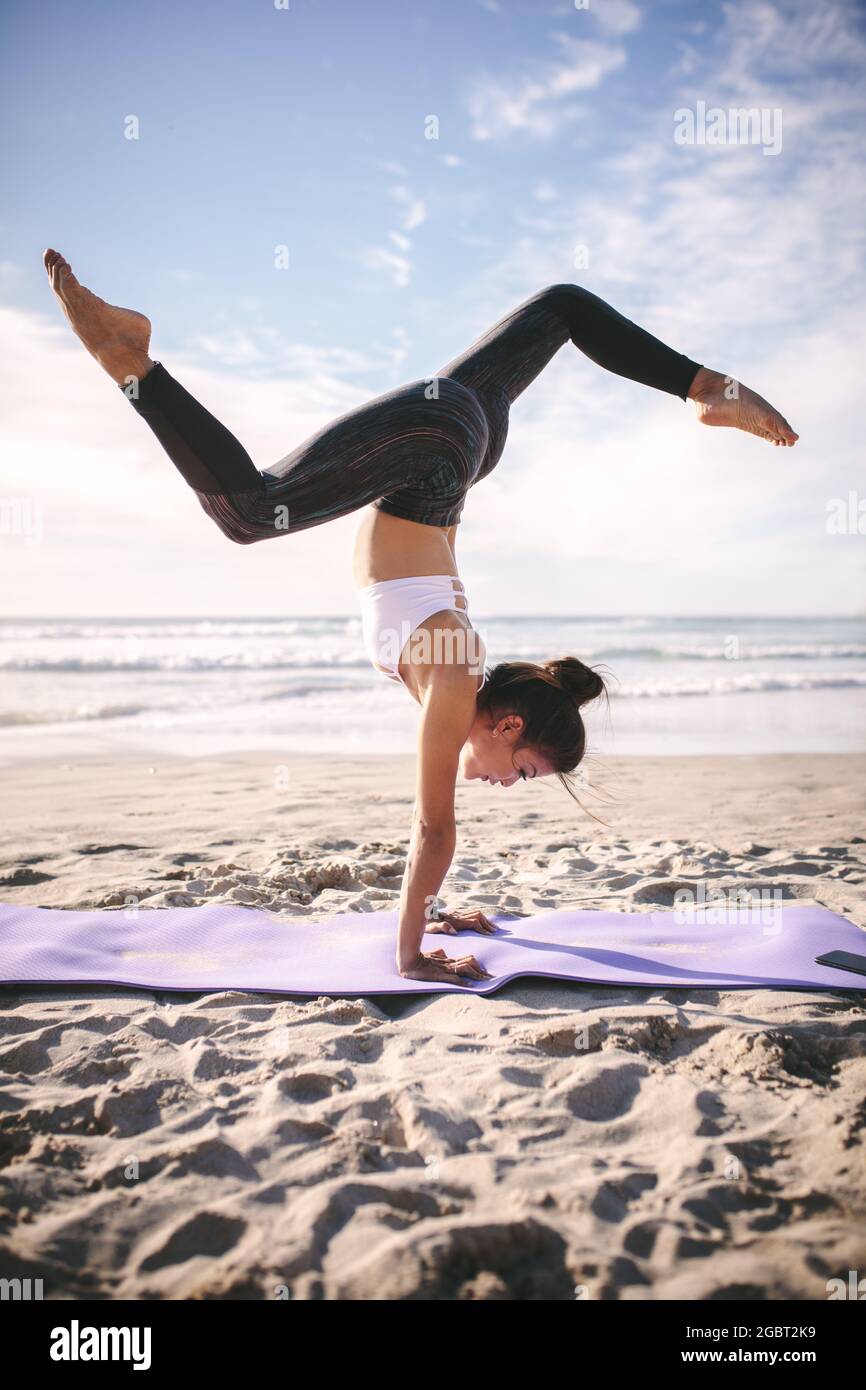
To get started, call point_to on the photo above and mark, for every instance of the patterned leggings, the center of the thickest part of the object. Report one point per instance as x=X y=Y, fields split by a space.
x=415 y=451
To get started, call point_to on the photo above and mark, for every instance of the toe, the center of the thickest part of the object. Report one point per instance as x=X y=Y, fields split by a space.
x=781 y=429
x=64 y=280
x=56 y=265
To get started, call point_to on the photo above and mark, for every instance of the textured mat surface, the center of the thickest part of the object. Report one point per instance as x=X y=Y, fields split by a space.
x=220 y=947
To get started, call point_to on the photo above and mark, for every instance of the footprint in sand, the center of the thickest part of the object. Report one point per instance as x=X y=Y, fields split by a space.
x=481 y=1260
x=22 y=877
x=608 y=1095
x=209 y=1233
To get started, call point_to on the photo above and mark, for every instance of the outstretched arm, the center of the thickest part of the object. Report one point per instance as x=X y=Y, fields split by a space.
x=446 y=718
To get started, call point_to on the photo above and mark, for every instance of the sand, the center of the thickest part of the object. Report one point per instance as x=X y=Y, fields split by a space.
x=705 y=1145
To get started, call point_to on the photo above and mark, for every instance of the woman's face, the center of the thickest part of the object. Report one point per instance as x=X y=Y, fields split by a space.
x=489 y=753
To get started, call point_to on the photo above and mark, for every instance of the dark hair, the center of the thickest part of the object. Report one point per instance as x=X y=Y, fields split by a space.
x=549 y=697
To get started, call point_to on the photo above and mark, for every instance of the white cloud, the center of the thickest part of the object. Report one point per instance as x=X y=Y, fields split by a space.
x=397 y=263
x=608 y=495
x=793 y=38
x=616 y=16
x=262 y=349
x=401 y=352
x=545 y=191
x=753 y=270
x=612 y=498
x=536 y=103
x=123 y=533
x=414 y=211
x=717 y=248
x=381 y=258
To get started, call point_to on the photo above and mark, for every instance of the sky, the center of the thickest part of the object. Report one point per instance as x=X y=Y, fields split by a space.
x=322 y=200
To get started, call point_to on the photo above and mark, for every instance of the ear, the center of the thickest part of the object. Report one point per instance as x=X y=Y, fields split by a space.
x=512 y=723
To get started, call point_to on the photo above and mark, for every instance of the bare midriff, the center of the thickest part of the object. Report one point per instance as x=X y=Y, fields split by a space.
x=389 y=547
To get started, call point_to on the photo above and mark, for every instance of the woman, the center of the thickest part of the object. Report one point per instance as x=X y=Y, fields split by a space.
x=411 y=456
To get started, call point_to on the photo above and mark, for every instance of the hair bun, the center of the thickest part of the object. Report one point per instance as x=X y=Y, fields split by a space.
x=579 y=681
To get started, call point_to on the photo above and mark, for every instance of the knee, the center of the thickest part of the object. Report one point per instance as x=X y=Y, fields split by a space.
x=569 y=303
x=564 y=293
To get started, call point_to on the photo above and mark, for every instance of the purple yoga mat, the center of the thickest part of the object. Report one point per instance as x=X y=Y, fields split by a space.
x=221 y=947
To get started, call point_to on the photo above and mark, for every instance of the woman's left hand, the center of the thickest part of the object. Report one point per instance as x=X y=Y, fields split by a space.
x=452 y=922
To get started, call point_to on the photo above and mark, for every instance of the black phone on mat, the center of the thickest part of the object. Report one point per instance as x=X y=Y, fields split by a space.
x=844 y=960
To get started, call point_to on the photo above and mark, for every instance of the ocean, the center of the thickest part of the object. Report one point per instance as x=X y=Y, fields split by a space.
x=82 y=687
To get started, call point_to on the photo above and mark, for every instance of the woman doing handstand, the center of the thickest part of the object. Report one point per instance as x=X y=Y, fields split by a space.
x=410 y=457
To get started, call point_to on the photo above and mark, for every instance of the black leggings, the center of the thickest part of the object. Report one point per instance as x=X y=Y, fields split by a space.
x=415 y=451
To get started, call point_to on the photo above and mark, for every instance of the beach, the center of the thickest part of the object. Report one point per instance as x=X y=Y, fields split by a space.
x=554 y=305
x=707 y=1144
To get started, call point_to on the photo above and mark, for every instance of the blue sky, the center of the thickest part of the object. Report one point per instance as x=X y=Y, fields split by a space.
x=555 y=159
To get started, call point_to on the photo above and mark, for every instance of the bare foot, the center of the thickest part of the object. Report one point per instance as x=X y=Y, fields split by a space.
x=117 y=338
x=722 y=401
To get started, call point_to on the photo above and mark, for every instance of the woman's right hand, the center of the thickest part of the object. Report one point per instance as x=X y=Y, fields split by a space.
x=437 y=968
